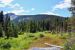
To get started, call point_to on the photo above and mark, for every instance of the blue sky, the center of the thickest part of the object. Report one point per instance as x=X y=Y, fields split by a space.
x=51 y=7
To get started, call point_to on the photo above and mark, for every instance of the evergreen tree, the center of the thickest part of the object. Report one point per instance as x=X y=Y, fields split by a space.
x=1 y=23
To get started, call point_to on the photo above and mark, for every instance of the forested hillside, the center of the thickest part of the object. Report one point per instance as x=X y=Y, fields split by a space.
x=41 y=22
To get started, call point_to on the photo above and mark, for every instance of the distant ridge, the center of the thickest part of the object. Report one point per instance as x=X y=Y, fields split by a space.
x=37 y=17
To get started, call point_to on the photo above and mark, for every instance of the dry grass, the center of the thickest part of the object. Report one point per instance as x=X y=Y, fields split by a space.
x=40 y=42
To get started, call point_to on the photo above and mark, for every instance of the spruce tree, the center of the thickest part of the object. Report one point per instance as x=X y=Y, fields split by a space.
x=1 y=23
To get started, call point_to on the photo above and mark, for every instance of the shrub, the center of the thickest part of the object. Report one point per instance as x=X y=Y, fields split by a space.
x=6 y=45
x=35 y=38
x=41 y=35
x=63 y=37
x=31 y=36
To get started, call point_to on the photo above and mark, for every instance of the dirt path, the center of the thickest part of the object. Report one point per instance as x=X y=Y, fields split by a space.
x=41 y=42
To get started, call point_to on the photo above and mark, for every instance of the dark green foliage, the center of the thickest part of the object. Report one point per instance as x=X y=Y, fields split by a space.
x=10 y=28
x=6 y=46
x=41 y=35
x=35 y=38
x=7 y=28
x=36 y=23
x=31 y=36
x=1 y=23
x=67 y=47
x=71 y=28
x=42 y=25
x=32 y=27
x=1 y=17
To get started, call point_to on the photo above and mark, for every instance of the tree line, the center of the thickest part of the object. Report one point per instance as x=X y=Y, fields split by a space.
x=9 y=29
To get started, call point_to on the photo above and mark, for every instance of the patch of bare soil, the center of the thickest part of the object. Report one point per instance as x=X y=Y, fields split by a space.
x=41 y=42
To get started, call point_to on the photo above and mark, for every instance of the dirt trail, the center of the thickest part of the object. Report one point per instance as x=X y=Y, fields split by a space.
x=41 y=42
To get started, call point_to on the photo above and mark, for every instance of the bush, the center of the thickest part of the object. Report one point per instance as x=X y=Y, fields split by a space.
x=67 y=46
x=35 y=38
x=31 y=36
x=6 y=45
x=63 y=37
x=41 y=35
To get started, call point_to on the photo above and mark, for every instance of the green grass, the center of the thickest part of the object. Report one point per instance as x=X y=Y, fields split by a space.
x=23 y=41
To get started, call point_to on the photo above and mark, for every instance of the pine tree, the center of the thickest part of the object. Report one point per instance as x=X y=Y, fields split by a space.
x=7 y=26
x=1 y=23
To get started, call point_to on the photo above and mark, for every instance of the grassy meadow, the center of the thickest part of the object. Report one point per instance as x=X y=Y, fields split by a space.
x=28 y=40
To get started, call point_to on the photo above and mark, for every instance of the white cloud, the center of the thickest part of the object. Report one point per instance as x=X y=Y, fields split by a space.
x=16 y=11
x=63 y=4
x=50 y=13
x=2 y=5
x=15 y=5
x=15 y=8
x=33 y=9
x=5 y=2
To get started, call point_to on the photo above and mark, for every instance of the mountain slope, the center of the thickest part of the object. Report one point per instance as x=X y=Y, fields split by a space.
x=37 y=17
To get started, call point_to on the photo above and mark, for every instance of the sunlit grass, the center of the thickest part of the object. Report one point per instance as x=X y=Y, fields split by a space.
x=26 y=39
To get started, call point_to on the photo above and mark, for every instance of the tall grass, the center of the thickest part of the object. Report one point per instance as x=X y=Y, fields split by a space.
x=23 y=41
